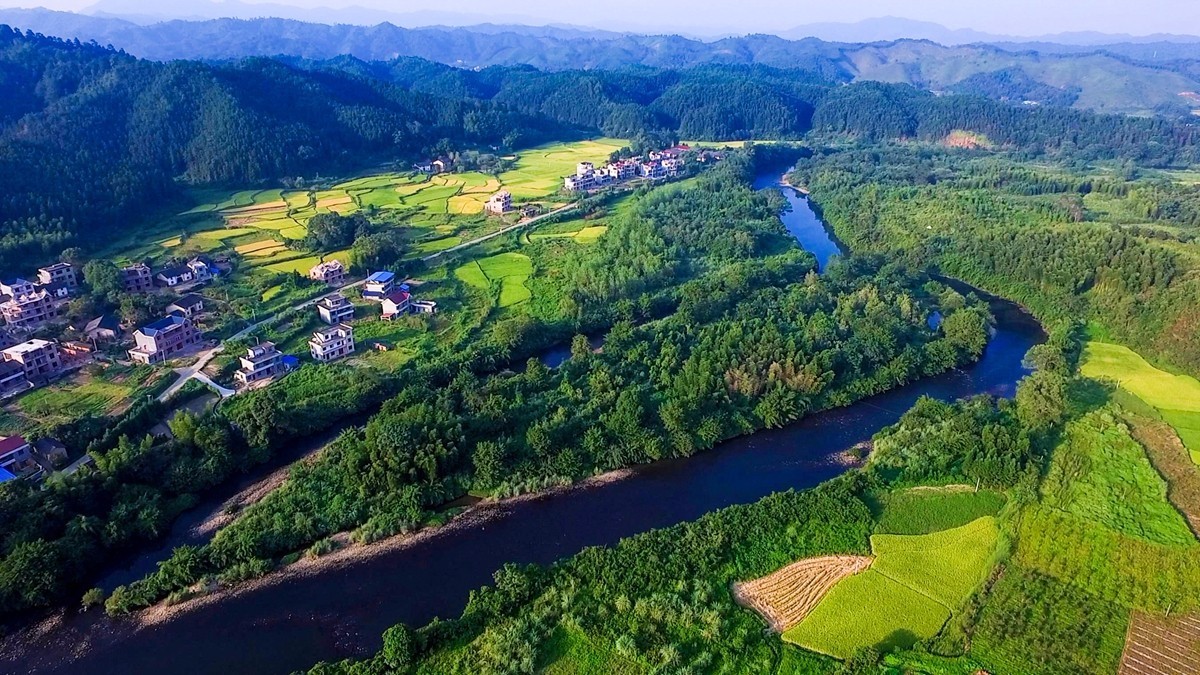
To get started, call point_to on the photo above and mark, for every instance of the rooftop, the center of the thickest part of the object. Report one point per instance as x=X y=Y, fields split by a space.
x=189 y=300
x=107 y=321
x=398 y=297
x=175 y=271
x=165 y=323
x=56 y=266
x=333 y=331
x=27 y=347
x=11 y=443
x=381 y=277
x=6 y=475
x=333 y=301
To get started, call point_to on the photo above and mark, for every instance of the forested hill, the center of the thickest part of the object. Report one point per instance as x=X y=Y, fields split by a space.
x=1108 y=79
x=94 y=140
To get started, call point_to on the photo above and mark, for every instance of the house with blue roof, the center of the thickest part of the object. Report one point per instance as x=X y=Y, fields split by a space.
x=6 y=475
x=158 y=341
x=378 y=286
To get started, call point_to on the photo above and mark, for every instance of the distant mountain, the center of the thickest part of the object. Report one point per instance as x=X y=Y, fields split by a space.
x=199 y=10
x=887 y=29
x=1095 y=78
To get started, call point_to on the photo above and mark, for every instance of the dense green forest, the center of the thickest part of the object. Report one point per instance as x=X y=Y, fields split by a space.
x=1066 y=243
x=93 y=141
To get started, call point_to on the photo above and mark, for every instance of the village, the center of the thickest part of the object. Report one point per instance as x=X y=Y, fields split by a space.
x=40 y=346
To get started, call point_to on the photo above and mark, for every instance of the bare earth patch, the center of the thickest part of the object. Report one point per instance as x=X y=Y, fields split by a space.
x=787 y=595
x=1162 y=645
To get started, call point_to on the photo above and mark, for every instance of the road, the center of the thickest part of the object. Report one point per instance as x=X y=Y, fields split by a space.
x=202 y=359
x=501 y=231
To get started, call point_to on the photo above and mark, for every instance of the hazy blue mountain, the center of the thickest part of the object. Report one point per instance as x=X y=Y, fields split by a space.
x=1104 y=79
x=890 y=28
x=198 y=10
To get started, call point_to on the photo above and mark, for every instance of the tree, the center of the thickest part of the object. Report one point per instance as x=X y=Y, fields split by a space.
x=399 y=648
x=1042 y=400
x=103 y=278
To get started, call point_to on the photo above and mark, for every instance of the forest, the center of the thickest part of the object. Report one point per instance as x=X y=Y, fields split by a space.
x=1066 y=243
x=118 y=138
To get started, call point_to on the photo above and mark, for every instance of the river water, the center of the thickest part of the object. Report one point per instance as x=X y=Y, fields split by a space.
x=341 y=611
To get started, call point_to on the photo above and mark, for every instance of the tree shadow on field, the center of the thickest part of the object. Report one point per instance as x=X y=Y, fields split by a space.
x=897 y=640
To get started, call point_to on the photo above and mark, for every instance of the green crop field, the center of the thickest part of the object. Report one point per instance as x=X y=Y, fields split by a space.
x=906 y=596
x=1102 y=475
x=1126 y=367
x=510 y=270
x=921 y=511
x=868 y=609
x=539 y=171
x=1177 y=397
x=946 y=566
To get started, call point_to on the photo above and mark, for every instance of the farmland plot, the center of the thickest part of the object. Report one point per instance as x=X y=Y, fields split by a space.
x=1162 y=646
x=788 y=595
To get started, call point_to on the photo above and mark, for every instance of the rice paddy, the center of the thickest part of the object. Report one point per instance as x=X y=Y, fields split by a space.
x=907 y=595
x=508 y=270
x=1176 y=397
x=539 y=171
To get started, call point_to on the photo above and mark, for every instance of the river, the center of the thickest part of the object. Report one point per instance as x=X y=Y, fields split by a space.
x=341 y=611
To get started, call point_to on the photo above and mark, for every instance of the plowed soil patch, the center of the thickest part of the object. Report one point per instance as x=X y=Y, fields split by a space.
x=787 y=595
x=1162 y=646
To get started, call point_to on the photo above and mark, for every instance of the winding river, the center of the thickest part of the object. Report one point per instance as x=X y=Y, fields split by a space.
x=341 y=610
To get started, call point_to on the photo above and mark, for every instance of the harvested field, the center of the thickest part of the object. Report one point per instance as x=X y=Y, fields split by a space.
x=787 y=595
x=1162 y=646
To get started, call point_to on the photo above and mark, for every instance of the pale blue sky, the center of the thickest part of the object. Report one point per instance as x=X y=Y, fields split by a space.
x=1017 y=17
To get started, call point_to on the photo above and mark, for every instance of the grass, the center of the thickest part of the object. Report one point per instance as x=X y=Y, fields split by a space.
x=922 y=511
x=1102 y=475
x=96 y=393
x=570 y=652
x=906 y=596
x=1177 y=397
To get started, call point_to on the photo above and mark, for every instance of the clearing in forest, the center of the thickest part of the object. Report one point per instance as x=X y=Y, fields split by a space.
x=911 y=589
x=1162 y=645
x=786 y=596
x=1176 y=397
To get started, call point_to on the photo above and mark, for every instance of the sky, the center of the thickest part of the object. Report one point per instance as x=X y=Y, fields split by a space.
x=1009 y=17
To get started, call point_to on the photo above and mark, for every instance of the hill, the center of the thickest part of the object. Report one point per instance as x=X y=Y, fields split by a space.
x=1121 y=79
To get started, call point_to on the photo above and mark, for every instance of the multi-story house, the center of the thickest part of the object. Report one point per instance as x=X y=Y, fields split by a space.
x=156 y=342
x=331 y=272
x=333 y=343
x=202 y=268
x=26 y=306
x=137 y=278
x=189 y=305
x=335 y=309
x=38 y=358
x=175 y=275
x=58 y=273
x=379 y=285
x=12 y=377
x=16 y=455
x=499 y=203
x=395 y=304
x=262 y=361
